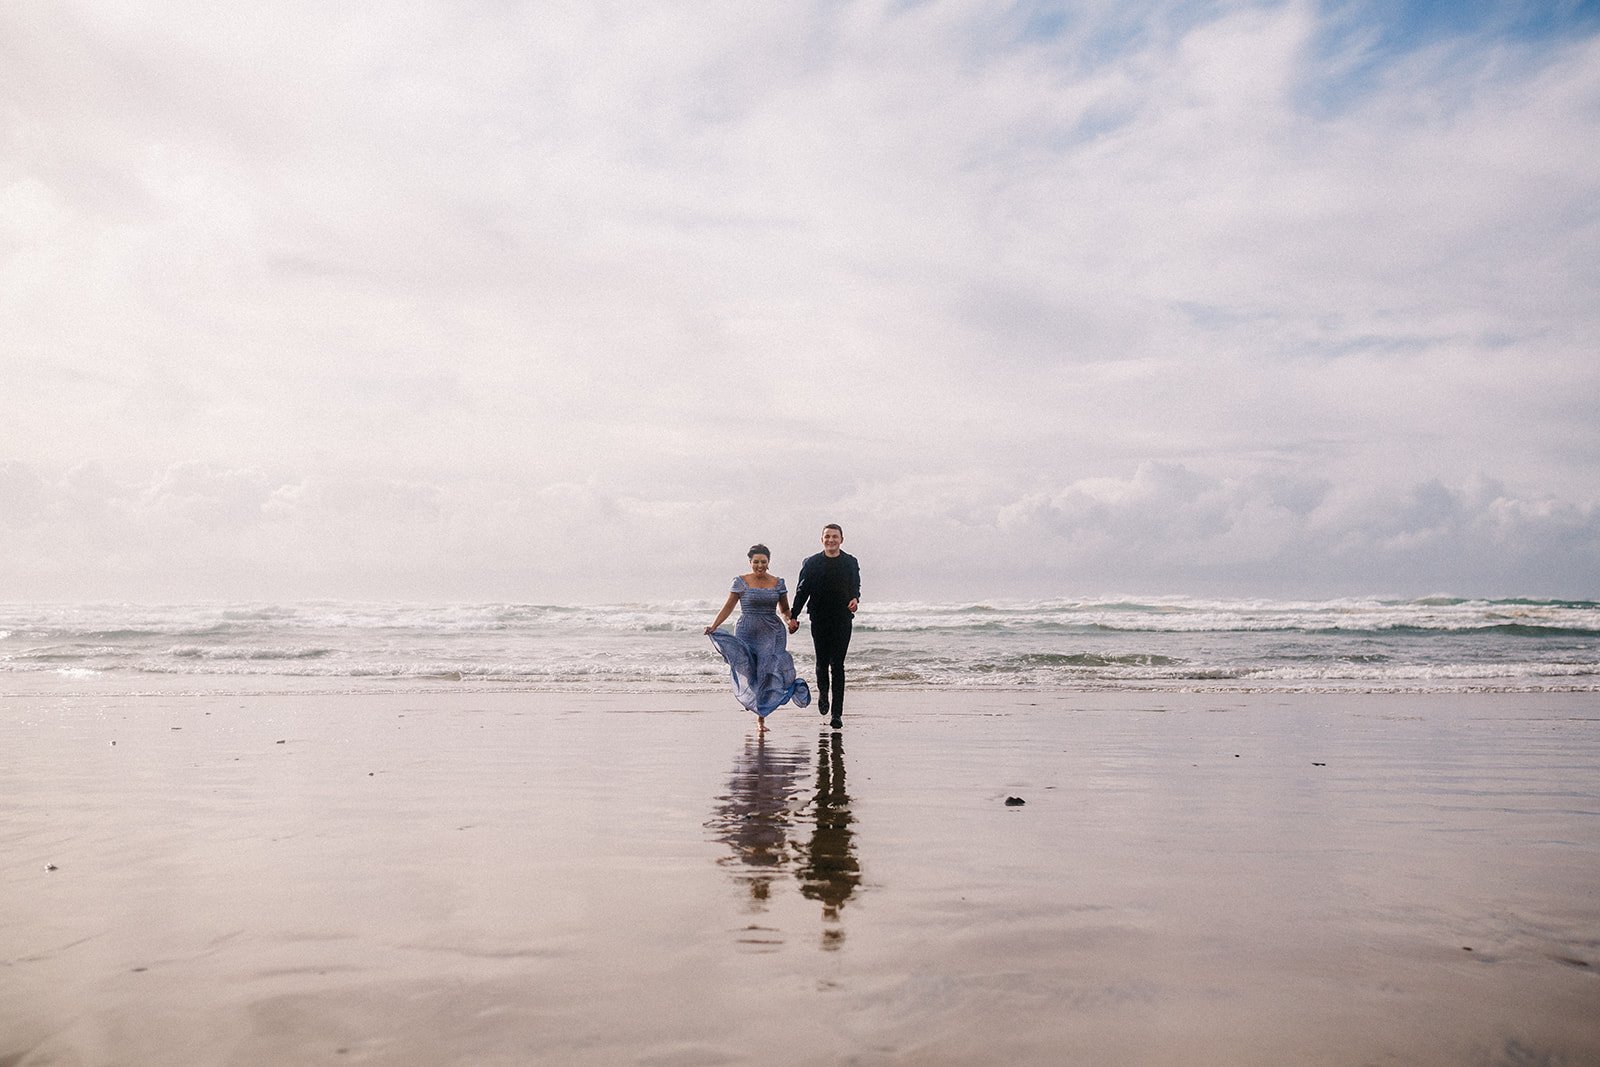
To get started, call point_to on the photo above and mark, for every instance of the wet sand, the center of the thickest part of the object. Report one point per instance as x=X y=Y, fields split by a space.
x=586 y=879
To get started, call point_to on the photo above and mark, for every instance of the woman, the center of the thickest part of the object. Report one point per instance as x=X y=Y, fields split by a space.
x=757 y=651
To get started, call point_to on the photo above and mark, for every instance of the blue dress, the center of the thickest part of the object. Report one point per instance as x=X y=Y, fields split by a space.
x=758 y=652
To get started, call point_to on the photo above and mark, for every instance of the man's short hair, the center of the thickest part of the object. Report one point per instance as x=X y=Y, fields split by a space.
x=835 y=526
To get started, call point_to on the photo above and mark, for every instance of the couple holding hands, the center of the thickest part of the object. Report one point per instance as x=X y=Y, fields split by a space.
x=757 y=650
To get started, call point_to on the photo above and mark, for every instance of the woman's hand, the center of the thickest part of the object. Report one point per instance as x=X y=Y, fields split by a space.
x=794 y=624
x=710 y=630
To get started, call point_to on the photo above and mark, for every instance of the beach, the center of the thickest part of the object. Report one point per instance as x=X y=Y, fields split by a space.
x=444 y=877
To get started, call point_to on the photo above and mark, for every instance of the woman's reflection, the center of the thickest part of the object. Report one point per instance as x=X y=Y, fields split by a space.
x=755 y=816
x=829 y=871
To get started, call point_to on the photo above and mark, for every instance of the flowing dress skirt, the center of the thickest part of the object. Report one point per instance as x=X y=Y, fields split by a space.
x=763 y=671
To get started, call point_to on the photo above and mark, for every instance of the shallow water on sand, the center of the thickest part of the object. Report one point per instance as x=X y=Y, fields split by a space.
x=510 y=878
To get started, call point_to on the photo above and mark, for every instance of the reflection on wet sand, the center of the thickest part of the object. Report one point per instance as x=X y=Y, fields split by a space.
x=761 y=819
x=755 y=816
x=829 y=871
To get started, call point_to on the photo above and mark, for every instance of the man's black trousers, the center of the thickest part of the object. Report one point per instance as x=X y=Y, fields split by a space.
x=831 y=638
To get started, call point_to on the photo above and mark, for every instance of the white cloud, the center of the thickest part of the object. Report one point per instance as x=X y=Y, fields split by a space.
x=1164 y=526
x=413 y=291
x=1279 y=535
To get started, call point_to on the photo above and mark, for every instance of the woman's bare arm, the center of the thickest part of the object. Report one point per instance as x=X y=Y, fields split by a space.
x=727 y=609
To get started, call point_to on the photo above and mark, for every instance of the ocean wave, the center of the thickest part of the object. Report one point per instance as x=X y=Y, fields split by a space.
x=235 y=653
x=93 y=632
x=1076 y=660
x=1535 y=631
x=1088 y=642
x=109 y=622
x=69 y=653
x=1345 y=618
x=1435 y=672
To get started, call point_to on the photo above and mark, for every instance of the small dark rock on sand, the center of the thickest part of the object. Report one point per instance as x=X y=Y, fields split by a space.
x=1015 y=802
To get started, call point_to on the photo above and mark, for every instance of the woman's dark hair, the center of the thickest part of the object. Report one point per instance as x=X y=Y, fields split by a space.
x=758 y=550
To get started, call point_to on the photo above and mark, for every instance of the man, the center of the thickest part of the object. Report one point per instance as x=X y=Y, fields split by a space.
x=830 y=585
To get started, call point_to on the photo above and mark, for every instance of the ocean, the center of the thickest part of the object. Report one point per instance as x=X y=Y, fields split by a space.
x=1435 y=644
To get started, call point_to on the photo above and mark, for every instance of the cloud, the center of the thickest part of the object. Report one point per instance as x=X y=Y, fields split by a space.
x=1165 y=527
x=1276 y=535
x=484 y=283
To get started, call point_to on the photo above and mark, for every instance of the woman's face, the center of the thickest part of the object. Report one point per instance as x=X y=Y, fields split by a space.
x=758 y=564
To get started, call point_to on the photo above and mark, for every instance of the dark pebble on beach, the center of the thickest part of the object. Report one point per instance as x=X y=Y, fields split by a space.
x=1014 y=802
x=279 y=742
x=1314 y=763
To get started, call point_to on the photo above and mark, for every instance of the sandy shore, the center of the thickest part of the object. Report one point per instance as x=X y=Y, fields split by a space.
x=516 y=878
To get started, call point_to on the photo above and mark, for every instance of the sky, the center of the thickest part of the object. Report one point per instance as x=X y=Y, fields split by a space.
x=573 y=301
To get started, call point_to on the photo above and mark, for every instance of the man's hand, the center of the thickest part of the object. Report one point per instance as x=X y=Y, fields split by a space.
x=794 y=624
x=853 y=603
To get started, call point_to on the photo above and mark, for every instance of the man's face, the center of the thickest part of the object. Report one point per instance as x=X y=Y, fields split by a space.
x=831 y=540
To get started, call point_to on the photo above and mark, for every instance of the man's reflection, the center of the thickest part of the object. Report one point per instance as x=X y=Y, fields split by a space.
x=755 y=817
x=829 y=871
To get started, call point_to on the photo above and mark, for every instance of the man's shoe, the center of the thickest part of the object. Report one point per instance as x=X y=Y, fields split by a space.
x=822 y=705
x=836 y=722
